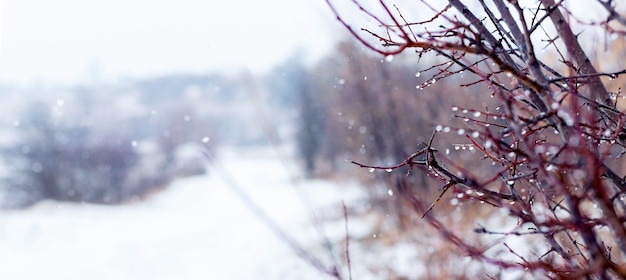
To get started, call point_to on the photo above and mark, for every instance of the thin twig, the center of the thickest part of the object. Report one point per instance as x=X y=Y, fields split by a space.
x=345 y=217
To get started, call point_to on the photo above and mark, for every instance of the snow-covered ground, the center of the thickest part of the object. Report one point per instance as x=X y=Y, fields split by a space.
x=216 y=226
x=198 y=228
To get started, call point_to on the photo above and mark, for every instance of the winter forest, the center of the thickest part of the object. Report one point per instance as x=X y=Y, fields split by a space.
x=456 y=139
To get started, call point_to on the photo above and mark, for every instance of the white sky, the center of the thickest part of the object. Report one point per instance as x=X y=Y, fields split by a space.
x=70 y=40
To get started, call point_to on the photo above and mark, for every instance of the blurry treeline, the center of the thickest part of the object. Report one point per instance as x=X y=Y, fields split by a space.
x=116 y=142
x=120 y=141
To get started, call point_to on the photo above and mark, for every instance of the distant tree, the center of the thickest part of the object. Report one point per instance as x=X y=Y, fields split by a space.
x=549 y=155
x=310 y=131
x=295 y=90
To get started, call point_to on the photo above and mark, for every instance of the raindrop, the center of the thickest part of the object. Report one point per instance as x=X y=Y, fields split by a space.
x=475 y=134
x=465 y=111
x=341 y=81
x=390 y=192
x=205 y=139
x=362 y=129
x=370 y=169
x=455 y=108
x=418 y=74
x=488 y=144
x=187 y=118
x=388 y=170
x=446 y=129
x=389 y=58
x=554 y=105
x=477 y=114
x=454 y=201
x=365 y=78
x=133 y=143
x=438 y=127
x=60 y=102
x=457 y=147
x=460 y=131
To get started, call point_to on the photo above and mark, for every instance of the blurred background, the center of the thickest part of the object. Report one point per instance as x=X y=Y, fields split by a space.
x=203 y=139
x=159 y=139
x=108 y=101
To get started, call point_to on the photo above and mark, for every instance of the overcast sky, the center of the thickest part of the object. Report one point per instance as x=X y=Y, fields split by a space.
x=70 y=40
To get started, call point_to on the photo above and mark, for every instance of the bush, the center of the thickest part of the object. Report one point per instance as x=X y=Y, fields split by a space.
x=74 y=162
x=545 y=158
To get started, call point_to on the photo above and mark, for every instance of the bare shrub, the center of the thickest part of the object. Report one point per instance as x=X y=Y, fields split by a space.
x=545 y=159
x=74 y=161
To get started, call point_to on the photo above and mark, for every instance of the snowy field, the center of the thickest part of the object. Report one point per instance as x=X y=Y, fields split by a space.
x=198 y=228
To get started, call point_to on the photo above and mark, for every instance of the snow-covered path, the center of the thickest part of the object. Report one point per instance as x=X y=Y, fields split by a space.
x=196 y=229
